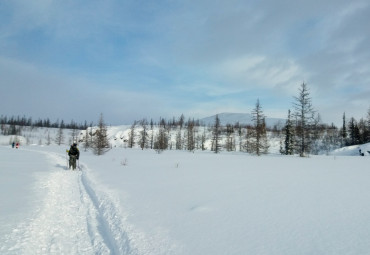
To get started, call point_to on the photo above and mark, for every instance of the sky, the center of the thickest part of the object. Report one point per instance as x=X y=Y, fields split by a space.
x=134 y=59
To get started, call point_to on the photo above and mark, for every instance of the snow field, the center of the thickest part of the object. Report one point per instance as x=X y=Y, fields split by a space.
x=240 y=204
x=130 y=201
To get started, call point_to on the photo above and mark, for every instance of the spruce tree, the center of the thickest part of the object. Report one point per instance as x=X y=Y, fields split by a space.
x=249 y=134
x=131 y=135
x=144 y=136
x=230 y=139
x=343 y=132
x=289 y=136
x=181 y=121
x=368 y=126
x=363 y=131
x=240 y=134
x=354 y=132
x=151 y=134
x=190 y=135
x=178 y=140
x=161 y=140
x=203 y=140
x=216 y=132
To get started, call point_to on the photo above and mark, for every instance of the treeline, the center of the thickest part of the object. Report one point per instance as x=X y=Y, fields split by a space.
x=16 y=122
x=302 y=134
x=192 y=135
x=356 y=131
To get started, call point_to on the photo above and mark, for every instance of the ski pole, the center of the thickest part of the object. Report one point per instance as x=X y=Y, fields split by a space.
x=67 y=159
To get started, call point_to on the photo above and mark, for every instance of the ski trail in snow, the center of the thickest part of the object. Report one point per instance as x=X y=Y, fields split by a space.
x=115 y=238
x=70 y=219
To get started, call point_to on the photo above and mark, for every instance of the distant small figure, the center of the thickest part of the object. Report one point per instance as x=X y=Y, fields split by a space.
x=13 y=144
x=17 y=145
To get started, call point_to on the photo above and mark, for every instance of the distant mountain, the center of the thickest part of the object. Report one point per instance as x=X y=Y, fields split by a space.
x=242 y=118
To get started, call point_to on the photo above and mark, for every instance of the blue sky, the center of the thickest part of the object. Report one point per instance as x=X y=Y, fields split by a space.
x=135 y=59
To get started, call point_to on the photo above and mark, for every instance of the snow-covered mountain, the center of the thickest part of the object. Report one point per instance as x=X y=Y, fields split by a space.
x=242 y=118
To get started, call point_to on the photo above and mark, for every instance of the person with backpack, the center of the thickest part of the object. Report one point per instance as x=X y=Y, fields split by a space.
x=74 y=155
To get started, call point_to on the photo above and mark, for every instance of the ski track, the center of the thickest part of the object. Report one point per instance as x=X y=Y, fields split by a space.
x=71 y=219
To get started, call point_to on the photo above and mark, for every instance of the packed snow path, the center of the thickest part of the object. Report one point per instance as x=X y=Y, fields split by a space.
x=69 y=218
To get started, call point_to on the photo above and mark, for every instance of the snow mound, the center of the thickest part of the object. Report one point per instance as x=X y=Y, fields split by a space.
x=353 y=150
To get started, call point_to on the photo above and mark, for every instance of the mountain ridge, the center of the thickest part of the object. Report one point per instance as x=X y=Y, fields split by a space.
x=242 y=118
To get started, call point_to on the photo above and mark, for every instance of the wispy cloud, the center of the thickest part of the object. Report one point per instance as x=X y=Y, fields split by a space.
x=194 y=57
x=251 y=72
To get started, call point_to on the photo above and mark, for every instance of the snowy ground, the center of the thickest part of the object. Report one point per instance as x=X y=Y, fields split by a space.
x=138 y=202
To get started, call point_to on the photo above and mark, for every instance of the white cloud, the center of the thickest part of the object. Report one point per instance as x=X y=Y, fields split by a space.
x=255 y=71
x=49 y=93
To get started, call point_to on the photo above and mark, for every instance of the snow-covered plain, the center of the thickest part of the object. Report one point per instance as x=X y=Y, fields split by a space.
x=130 y=201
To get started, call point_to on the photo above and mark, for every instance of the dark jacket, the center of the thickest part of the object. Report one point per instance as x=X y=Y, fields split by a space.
x=73 y=151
